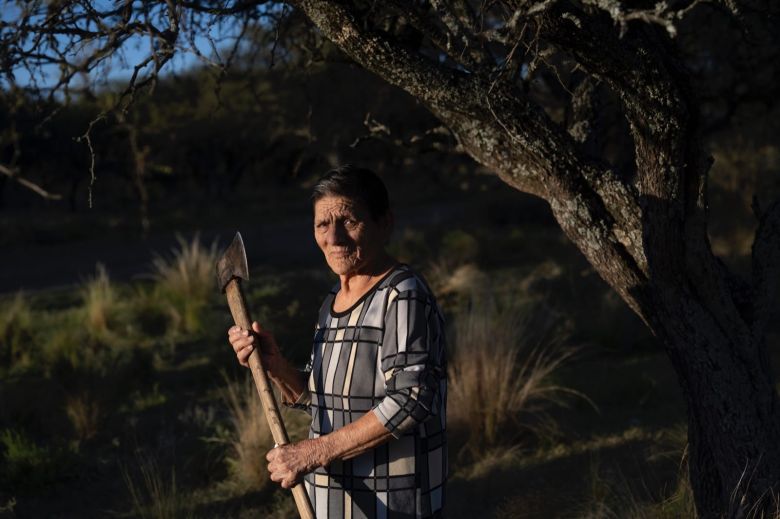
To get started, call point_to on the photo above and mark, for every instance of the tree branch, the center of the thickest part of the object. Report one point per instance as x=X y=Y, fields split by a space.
x=32 y=186
x=516 y=139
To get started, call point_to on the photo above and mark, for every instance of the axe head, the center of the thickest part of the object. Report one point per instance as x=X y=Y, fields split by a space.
x=233 y=263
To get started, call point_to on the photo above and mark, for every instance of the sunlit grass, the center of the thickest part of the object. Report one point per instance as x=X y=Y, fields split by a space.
x=249 y=437
x=186 y=280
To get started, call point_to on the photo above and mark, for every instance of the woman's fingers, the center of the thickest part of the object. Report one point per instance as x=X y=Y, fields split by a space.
x=242 y=343
x=243 y=355
x=240 y=338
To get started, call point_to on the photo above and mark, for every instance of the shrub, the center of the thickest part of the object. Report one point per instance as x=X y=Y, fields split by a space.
x=186 y=281
x=501 y=374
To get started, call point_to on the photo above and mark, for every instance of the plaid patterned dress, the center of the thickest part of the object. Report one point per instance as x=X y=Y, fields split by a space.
x=384 y=355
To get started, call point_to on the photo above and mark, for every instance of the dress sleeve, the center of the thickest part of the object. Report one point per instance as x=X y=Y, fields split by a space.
x=412 y=361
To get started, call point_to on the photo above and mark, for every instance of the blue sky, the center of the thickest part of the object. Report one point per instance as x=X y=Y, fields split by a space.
x=120 y=66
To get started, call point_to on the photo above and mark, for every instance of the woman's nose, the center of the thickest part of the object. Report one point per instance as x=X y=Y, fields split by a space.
x=337 y=235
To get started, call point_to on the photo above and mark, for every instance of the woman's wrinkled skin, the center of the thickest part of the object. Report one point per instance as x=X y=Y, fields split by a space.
x=351 y=240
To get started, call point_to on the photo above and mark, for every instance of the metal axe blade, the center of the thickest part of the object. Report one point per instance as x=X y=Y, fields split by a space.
x=233 y=263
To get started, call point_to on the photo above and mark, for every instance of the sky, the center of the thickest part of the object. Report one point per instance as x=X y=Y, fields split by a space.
x=120 y=66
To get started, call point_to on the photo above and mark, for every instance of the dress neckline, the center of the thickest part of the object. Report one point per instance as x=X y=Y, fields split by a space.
x=362 y=298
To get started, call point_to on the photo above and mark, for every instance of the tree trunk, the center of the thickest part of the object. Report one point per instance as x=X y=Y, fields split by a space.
x=647 y=239
x=733 y=419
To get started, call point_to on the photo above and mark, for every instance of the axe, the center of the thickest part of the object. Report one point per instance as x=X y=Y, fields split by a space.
x=232 y=268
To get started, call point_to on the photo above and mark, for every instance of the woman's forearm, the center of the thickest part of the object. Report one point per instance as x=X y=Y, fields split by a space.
x=353 y=439
x=290 y=381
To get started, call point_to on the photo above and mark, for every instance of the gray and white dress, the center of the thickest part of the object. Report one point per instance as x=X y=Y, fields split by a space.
x=384 y=355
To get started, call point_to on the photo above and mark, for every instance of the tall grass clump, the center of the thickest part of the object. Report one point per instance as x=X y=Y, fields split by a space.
x=100 y=304
x=152 y=495
x=502 y=374
x=186 y=280
x=16 y=331
x=249 y=436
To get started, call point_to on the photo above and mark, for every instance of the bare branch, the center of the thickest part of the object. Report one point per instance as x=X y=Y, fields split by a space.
x=32 y=186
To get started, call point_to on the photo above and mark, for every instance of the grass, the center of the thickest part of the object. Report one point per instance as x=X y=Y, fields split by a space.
x=85 y=414
x=28 y=467
x=16 y=331
x=502 y=375
x=508 y=369
x=249 y=437
x=152 y=494
x=185 y=279
x=100 y=305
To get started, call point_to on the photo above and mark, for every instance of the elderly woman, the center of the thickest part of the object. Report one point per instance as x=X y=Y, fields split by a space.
x=376 y=383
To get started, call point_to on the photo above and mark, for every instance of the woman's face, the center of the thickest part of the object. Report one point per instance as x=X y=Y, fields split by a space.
x=347 y=235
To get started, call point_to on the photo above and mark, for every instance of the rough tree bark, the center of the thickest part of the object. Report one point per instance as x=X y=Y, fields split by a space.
x=647 y=239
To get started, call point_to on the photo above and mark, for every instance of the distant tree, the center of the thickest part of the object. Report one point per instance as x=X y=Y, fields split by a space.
x=525 y=88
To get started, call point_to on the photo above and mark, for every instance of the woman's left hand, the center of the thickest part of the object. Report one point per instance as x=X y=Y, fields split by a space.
x=287 y=464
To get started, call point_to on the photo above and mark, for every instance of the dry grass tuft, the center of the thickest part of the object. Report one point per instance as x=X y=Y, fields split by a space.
x=84 y=413
x=249 y=437
x=501 y=378
x=152 y=496
x=186 y=278
x=100 y=303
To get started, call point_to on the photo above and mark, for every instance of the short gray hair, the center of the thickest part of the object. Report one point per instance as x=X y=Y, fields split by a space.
x=354 y=183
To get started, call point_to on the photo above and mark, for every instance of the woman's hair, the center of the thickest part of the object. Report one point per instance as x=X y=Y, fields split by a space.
x=354 y=183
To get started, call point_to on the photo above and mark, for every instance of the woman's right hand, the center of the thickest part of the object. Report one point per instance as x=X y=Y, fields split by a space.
x=244 y=343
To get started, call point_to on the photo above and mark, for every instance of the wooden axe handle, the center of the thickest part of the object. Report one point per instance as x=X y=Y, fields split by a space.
x=240 y=314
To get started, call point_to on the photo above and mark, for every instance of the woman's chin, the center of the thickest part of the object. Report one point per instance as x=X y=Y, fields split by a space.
x=341 y=267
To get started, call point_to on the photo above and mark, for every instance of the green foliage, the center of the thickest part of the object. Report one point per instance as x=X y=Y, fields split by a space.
x=145 y=400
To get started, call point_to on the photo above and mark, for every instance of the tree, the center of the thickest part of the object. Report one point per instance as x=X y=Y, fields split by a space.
x=519 y=84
